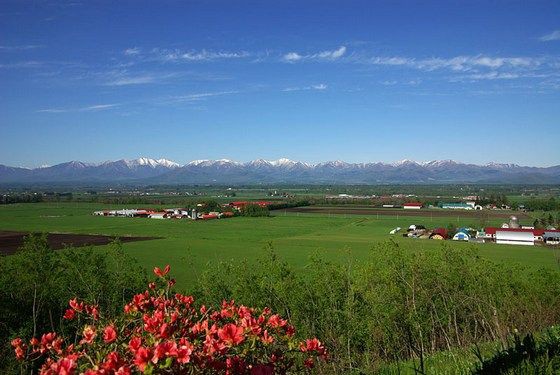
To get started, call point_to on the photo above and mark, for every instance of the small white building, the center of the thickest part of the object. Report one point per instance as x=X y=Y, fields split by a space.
x=158 y=215
x=412 y=206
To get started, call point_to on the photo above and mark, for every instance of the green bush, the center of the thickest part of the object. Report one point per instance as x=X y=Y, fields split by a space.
x=254 y=210
x=37 y=282
x=396 y=306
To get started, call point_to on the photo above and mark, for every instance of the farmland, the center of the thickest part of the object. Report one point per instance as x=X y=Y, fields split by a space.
x=192 y=247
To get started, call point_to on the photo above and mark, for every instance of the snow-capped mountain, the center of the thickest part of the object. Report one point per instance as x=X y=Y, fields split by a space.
x=159 y=163
x=224 y=171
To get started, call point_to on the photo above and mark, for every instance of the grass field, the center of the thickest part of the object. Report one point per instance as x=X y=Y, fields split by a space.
x=191 y=247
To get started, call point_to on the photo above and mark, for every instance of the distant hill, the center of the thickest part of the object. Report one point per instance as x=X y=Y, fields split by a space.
x=223 y=171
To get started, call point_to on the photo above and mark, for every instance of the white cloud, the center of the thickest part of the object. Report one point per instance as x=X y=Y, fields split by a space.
x=493 y=75
x=20 y=48
x=457 y=63
x=319 y=86
x=98 y=107
x=292 y=57
x=137 y=80
x=555 y=35
x=203 y=55
x=197 y=96
x=323 y=55
x=91 y=108
x=332 y=55
x=391 y=61
x=132 y=51
x=22 y=64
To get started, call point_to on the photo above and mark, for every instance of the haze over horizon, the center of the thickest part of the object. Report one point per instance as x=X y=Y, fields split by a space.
x=312 y=81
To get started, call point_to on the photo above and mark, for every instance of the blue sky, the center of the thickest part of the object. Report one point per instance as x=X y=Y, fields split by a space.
x=473 y=81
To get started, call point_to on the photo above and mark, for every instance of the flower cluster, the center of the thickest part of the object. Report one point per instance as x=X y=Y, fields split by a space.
x=162 y=332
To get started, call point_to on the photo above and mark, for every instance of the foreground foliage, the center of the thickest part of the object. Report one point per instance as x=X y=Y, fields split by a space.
x=161 y=332
x=37 y=282
x=527 y=355
x=398 y=305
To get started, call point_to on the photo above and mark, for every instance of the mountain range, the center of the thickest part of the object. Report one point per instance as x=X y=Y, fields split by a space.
x=162 y=171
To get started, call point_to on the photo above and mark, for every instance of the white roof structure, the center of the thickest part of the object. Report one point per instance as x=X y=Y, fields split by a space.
x=515 y=238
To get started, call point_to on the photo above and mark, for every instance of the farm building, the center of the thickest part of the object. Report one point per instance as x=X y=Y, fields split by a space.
x=515 y=237
x=412 y=206
x=492 y=233
x=439 y=234
x=158 y=215
x=456 y=206
x=551 y=237
x=461 y=236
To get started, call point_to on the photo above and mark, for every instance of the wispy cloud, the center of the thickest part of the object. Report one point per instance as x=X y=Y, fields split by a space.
x=292 y=57
x=320 y=87
x=126 y=77
x=457 y=63
x=91 y=108
x=132 y=51
x=197 y=96
x=20 y=48
x=177 y=55
x=332 y=55
x=22 y=64
x=555 y=35
x=323 y=55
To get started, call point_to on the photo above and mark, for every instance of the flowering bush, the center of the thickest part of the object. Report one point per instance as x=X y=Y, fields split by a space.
x=161 y=332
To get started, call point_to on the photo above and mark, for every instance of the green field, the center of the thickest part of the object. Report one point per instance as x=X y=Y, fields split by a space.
x=191 y=247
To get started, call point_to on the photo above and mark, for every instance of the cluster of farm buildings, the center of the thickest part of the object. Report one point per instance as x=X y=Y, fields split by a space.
x=468 y=205
x=198 y=213
x=509 y=233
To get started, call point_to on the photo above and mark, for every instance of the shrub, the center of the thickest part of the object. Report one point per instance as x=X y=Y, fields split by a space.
x=161 y=332
x=254 y=210
x=37 y=282
x=397 y=304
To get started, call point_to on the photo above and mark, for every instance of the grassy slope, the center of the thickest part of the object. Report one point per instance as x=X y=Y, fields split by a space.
x=191 y=246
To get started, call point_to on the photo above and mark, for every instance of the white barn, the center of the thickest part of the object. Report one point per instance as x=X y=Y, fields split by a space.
x=515 y=237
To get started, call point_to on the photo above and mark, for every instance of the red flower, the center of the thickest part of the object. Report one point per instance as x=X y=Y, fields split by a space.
x=142 y=357
x=64 y=366
x=47 y=341
x=231 y=334
x=313 y=345
x=184 y=351
x=276 y=322
x=69 y=314
x=158 y=272
x=89 y=334
x=19 y=348
x=266 y=338
x=134 y=344
x=75 y=305
x=165 y=349
x=109 y=334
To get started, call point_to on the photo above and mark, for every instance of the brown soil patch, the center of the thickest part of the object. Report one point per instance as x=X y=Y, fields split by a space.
x=11 y=241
